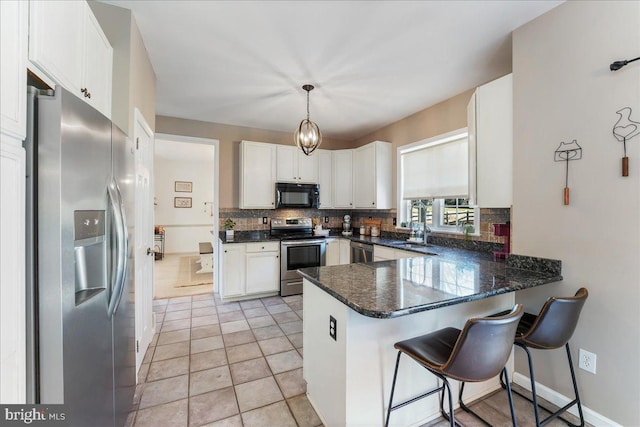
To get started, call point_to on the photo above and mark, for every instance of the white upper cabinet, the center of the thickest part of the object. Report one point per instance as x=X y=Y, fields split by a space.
x=257 y=175
x=67 y=44
x=13 y=67
x=324 y=178
x=342 y=178
x=294 y=166
x=98 y=65
x=490 y=124
x=372 y=176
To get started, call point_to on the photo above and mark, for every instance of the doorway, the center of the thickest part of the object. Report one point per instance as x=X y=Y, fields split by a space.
x=186 y=215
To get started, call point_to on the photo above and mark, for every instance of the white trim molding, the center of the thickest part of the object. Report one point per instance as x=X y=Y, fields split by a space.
x=590 y=416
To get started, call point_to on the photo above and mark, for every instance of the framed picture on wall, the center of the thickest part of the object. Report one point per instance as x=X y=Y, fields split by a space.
x=183 y=187
x=182 y=202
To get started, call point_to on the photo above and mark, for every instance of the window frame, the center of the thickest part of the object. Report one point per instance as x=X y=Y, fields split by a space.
x=403 y=206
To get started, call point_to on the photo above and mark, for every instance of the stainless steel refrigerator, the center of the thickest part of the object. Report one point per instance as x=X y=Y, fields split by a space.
x=80 y=201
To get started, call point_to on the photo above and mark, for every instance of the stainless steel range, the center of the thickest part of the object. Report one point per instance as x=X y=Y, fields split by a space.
x=299 y=248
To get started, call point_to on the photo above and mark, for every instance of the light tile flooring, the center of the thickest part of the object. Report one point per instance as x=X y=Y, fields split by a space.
x=240 y=364
x=218 y=364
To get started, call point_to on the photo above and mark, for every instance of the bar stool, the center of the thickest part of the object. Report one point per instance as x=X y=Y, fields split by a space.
x=551 y=329
x=476 y=353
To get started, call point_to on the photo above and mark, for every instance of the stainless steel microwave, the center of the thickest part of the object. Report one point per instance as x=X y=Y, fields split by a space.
x=297 y=196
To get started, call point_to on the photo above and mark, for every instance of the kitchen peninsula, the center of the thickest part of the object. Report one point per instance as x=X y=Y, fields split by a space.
x=353 y=314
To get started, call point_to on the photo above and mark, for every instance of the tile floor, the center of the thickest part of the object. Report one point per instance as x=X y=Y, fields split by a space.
x=240 y=364
x=218 y=364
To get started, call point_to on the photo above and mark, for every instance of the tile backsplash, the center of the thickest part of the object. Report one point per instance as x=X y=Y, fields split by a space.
x=251 y=219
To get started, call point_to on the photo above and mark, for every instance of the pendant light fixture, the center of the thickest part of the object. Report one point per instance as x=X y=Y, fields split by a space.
x=307 y=136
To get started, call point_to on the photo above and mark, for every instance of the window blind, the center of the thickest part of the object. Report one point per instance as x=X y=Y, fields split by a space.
x=439 y=170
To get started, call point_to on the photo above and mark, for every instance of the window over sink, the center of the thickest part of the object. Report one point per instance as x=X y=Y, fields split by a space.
x=439 y=214
x=433 y=177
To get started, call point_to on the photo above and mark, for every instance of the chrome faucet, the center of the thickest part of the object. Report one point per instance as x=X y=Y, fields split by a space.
x=426 y=232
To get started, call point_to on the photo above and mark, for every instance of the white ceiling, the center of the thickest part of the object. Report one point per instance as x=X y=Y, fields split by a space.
x=372 y=62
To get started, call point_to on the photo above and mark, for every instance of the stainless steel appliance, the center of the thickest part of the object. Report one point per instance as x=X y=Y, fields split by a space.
x=361 y=252
x=80 y=200
x=346 y=226
x=299 y=248
x=297 y=196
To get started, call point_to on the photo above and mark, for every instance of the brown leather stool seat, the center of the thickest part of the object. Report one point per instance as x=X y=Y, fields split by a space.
x=476 y=353
x=551 y=329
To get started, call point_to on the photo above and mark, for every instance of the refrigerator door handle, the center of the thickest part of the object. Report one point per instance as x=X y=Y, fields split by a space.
x=121 y=253
x=125 y=250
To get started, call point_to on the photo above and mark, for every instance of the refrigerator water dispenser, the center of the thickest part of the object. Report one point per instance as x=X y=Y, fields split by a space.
x=90 y=254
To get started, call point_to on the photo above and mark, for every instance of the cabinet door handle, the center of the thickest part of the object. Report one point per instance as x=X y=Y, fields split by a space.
x=263 y=247
x=225 y=251
x=373 y=203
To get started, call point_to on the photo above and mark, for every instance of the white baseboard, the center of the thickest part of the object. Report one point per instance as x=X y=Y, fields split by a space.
x=590 y=416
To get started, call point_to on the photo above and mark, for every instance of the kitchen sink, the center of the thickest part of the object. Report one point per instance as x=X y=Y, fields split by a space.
x=407 y=245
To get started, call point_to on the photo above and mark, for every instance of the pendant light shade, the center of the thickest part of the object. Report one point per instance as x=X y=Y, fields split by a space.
x=308 y=136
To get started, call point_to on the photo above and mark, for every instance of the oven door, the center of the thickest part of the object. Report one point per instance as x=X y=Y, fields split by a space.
x=295 y=254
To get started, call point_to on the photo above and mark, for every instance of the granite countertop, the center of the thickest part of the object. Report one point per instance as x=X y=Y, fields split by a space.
x=248 y=237
x=395 y=288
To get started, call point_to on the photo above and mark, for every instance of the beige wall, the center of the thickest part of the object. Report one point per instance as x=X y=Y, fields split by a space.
x=142 y=91
x=230 y=137
x=563 y=90
x=441 y=118
x=436 y=120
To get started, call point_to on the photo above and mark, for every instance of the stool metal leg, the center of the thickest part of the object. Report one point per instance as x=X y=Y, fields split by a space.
x=450 y=416
x=407 y=402
x=393 y=387
x=575 y=387
x=534 y=395
x=506 y=385
x=511 y=408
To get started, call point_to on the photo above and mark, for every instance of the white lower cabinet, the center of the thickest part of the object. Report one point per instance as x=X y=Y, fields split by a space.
x=249 y=269
x=345 y=251
x=338 y=251
x=383 y=253
x=232 y=269
x=263 y=268
x=333 y=252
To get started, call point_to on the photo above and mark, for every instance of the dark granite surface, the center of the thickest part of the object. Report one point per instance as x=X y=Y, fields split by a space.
x=388 y=289
x=248 y=237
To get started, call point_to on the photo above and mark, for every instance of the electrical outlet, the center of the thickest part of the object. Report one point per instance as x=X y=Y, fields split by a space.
x=264 y=219
x=587 y=361
x=326 y=220
x=332 y=327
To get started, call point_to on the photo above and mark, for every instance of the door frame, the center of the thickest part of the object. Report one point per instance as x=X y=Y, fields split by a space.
x=216 y=186
x=140 y=352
